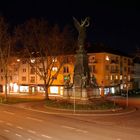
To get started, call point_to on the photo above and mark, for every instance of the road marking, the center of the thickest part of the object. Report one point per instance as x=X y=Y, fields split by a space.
x=9 y=124
x=34 y=119
x=6 y=130
x=83 y=131
x=31 y=131
x=46 y=136
x=19 y=127
x=18 y=135
x=1 y=121
x=68 y=127
x=72 y=128
x=7 y=112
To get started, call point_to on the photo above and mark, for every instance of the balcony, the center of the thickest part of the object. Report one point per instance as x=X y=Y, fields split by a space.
x=114 y=71
x=114 y=61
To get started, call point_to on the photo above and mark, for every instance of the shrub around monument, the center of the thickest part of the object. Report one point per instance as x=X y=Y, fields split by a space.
x=100 y=104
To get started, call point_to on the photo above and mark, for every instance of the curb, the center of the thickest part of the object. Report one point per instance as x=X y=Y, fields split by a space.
x=76 y=113
x=91 y=113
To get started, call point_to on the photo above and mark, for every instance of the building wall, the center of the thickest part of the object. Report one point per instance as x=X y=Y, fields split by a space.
x=137 y=75
x=112 y=72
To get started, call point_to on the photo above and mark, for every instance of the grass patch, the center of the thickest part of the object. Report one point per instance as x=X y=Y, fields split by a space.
x=99 y=104
x=13 y=100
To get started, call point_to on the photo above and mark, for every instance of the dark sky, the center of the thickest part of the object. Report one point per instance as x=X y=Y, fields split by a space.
x=115 y=23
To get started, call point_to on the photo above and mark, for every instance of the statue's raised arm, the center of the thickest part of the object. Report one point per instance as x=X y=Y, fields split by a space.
x=81 y=27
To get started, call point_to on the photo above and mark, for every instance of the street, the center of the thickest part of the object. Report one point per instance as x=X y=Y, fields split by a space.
x=23 y=124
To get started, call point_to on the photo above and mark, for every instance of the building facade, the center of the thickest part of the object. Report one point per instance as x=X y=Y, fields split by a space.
x=112 y=73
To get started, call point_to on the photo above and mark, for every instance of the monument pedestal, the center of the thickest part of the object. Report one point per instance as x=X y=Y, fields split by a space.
x=84 y=94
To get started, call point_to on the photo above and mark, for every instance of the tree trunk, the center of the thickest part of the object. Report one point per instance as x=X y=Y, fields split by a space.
x=46 y=93
x=6 y=82
x=46 y=90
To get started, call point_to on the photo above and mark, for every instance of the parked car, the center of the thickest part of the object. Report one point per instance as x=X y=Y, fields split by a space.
x=130 y=93
x=137 y=91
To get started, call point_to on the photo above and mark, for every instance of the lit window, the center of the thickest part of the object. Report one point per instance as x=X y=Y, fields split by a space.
x=129 y=78
x=54 y=89
x=24 y=89
x=107 y=58
x=54 y=69
x=54 y=59
x=120 y=77
x=18 y=60
x=111 y=77
x=32 y=60
x=61 y=90
x=116 y=76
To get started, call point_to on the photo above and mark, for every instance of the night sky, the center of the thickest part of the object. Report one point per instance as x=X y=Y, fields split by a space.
x=114 y=23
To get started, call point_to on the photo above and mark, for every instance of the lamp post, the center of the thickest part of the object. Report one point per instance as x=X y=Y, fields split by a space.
x=74 y=100
x=127 y=95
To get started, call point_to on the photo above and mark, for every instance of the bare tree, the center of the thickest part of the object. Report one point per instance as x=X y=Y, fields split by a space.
x=5 y=51
x=44 y=47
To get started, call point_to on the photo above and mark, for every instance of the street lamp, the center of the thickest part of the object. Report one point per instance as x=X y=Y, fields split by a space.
x=127 y=95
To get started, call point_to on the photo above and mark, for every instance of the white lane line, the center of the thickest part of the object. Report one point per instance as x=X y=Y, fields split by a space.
x=9 y=124
x=31 y=131
x=72 y=128
x=29 y=139
x=68 y=127
x=1 y=121
x=83 y=131
x=19 y=127
x=34 y=119
x=6 y=130
x=18 y=135
x=7 y=112
x=46 y=136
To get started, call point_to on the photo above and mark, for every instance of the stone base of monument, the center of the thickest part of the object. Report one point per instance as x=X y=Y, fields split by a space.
x=84 y=94
x=81 y=95
x=67 y=93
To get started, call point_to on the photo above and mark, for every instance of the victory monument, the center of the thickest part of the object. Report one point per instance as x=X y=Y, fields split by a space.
x=81 y=70
x=81 y=89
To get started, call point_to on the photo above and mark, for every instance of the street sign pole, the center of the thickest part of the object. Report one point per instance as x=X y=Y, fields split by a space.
x=74 y=99
x=127 y=97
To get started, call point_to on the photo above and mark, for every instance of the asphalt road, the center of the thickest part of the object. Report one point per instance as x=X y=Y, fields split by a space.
x=23 y=124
